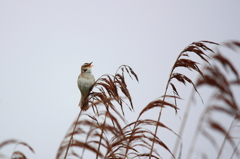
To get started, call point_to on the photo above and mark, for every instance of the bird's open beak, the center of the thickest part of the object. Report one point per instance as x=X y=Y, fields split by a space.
x=90 y=65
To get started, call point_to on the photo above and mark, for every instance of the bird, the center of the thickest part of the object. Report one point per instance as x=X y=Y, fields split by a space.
x=85 y=83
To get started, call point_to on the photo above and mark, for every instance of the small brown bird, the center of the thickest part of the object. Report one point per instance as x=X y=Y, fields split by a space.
x=85 y=82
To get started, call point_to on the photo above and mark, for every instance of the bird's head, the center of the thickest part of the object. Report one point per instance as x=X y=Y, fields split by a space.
x=86 y=67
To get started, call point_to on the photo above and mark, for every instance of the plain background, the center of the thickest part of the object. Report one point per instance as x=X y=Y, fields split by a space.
x=44 y=43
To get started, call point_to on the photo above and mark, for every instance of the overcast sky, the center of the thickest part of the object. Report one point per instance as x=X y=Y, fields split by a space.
x=44 y=43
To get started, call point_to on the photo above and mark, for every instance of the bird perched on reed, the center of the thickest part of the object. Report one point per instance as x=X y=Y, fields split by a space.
x=85 y=82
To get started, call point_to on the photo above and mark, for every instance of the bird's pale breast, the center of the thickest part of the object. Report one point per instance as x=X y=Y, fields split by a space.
x=85 y=83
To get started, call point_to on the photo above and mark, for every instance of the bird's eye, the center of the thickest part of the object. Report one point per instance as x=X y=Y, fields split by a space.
x=84 y=70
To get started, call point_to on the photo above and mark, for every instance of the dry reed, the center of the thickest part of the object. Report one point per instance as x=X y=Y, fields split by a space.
x=105 y=132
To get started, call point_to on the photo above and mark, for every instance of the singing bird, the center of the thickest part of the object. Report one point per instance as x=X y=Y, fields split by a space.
x=85 y=82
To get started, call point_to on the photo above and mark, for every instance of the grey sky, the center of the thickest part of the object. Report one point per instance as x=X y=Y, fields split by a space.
x=44 y=43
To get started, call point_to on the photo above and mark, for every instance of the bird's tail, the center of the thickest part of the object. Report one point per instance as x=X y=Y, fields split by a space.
x=83 y=103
